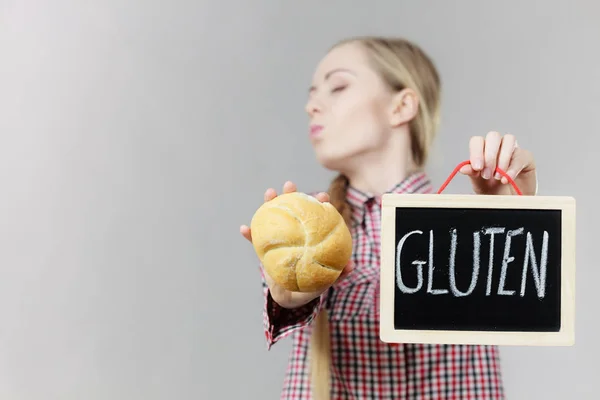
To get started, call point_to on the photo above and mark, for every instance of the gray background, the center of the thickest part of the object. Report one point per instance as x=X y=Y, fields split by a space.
x=136 y=136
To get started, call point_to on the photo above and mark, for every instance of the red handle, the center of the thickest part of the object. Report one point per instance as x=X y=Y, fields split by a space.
x=462 y=164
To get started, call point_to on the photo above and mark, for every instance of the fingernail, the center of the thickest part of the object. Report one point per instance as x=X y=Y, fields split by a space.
x=486 y=174
x=497 y=176
x=478 y=164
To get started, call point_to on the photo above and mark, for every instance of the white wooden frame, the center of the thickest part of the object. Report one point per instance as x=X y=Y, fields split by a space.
x=566 y=335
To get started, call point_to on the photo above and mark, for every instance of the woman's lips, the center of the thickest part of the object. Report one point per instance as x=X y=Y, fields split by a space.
x=315 y=130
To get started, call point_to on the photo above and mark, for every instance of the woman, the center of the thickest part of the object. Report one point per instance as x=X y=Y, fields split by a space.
x=373 y=108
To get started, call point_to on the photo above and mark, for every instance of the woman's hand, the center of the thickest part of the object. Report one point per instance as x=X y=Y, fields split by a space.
x=281 y=296
x=502 y=152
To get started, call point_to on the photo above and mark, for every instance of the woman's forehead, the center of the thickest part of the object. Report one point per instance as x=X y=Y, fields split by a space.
x=345 y=58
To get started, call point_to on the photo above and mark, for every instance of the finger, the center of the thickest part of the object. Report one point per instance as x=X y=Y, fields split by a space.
x=322 y=197
x=505 y=155
x=492 y=146
x=513 y=172
x=270 y=194
x=522 y=160
x=245 y=231
x=476 y=145
x=346 y=271
x=468 y=170
x=289 y=187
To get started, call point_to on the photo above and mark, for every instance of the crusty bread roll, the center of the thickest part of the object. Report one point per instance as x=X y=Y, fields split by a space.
x=303 y=244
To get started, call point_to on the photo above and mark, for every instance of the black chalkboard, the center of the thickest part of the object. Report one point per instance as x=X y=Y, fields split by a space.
x=439 y=283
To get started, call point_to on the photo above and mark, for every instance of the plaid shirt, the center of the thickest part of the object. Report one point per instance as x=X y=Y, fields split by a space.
x=364 y=367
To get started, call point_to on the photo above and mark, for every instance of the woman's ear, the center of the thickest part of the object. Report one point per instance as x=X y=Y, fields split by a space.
x=404 y=107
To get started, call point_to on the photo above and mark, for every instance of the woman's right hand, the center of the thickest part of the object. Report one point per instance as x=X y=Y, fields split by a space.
x=281 y=296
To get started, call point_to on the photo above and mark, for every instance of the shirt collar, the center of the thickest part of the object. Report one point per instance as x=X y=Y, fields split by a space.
x=418 y=182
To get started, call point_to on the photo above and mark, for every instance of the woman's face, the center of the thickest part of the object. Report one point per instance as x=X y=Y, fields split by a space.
x=349 y=108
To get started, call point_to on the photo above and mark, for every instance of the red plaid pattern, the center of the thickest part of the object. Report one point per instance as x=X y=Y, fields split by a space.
x=364 y=367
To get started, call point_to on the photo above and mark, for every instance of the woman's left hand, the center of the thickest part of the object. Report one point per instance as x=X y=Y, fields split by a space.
x=502 y=152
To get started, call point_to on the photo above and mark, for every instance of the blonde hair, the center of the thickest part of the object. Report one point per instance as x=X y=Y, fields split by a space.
x=401 y=64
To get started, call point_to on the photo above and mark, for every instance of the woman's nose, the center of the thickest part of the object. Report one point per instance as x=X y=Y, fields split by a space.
x=312 y=107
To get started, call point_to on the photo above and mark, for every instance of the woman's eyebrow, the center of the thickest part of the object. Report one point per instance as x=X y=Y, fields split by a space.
x=328 y=75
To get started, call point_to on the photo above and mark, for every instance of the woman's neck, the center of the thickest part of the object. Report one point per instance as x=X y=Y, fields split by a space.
x=378 y=173
x=376 y=180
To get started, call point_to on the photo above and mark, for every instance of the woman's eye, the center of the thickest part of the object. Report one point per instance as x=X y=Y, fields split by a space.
x=338 y=89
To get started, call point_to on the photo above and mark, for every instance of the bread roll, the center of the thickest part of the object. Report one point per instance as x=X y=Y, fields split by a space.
x=303 y=244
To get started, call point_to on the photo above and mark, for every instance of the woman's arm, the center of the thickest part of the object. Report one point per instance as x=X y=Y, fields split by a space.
x=280 y=322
